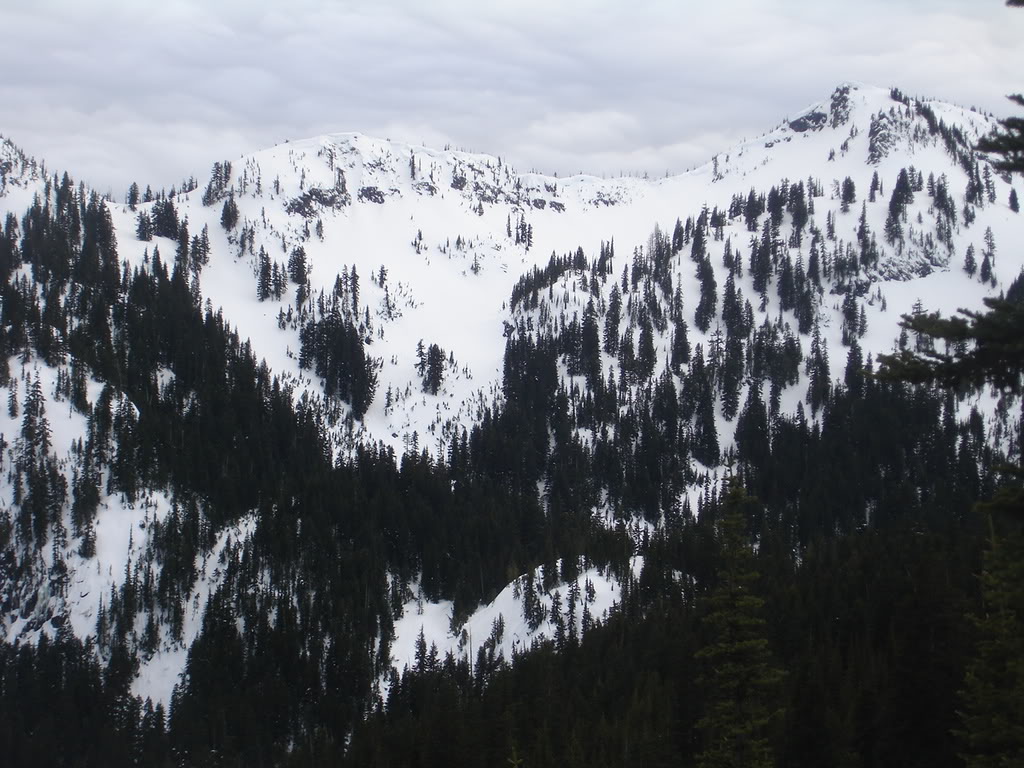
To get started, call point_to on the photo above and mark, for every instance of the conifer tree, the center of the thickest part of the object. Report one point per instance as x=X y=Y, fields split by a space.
x=645 y=353
x=611 y=321
x=144 y=226
x=740 y=677
x=133 y=196
x=990 y=351
x=970 y=262
x=752 y=429
x=818 y=372
x=985 y=347
x=993 y=694
x=705 y=446
x=263 y=276
x=680 y=346
x=708 y=295
x=1008 y=142
x=986 y=268
x=590 y=346
x=229 y=213
x=849 y=194
x=433 y=375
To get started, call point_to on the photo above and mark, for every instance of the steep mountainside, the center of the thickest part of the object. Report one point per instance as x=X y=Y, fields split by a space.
x=358 y=397
x=438 y=239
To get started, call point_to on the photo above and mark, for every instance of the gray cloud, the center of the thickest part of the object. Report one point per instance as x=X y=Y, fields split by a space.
x=117 y=91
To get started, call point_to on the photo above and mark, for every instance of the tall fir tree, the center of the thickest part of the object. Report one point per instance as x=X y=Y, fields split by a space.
x=993 y=694
x=743 y=684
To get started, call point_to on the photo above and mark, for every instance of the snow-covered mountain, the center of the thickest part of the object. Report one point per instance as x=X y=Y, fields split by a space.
x=436 y=259
x=443 y=225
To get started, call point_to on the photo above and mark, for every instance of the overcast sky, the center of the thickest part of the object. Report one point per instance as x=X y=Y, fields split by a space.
x=116 y=91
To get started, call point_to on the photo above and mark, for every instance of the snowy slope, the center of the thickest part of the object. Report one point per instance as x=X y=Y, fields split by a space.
x=501 y=629
x=446 y=229
x=39 y=599
x=438 y=222
x=20 y=177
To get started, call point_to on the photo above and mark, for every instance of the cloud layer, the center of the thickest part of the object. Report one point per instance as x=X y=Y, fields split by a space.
x=117 y=91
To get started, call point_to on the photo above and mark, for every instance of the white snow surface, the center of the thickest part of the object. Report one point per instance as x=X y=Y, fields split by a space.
x=438 y=298
x=599 y=588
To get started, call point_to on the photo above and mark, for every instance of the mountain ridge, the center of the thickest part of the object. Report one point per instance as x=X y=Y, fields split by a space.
x=404 y=249
x=377 y=172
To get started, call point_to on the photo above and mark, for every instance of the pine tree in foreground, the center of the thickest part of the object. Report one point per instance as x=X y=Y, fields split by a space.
x=986 y=349
x=741 y=681
x=993 y=695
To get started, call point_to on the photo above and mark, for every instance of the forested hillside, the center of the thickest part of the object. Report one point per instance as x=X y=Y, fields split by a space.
x=362 y=453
